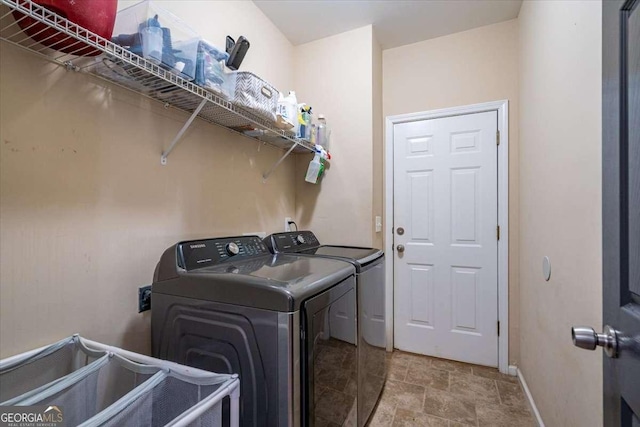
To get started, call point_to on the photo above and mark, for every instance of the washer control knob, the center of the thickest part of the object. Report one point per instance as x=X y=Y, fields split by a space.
x=232 y=249
x=300 y=239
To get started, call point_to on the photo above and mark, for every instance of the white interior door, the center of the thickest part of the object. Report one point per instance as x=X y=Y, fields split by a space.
x=446 y=203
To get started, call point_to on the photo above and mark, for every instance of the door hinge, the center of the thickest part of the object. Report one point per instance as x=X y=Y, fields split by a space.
x=497 y=137
x=498 y=232
x=498 y=328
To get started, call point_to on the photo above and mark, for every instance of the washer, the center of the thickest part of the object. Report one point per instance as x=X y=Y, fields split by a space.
x=369 y=264
x=279 y=321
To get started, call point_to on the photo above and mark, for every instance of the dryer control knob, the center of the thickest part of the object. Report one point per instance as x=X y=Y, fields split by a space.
x=300 y=239
x=232 y=249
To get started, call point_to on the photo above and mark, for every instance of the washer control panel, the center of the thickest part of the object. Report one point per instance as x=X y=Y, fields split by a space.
x=293 y=241
x=204 y=253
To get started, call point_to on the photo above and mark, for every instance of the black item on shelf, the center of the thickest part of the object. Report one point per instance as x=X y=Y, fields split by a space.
x=237 y=51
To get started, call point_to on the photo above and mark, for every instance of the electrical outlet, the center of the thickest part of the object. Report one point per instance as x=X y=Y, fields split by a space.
x=144 y=298
x=378 y=224
x=287 y=226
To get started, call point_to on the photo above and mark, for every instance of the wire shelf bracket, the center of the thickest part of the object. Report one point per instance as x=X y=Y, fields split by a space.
x=265 y=176
x=165 y=154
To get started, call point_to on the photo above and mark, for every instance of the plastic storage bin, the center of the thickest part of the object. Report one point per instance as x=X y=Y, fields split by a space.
x=35 y=370
x=210 y=70
x=159 y=36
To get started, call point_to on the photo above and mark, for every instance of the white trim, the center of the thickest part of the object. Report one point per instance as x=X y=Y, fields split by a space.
x=502 y=107
x=513 y=370
x=532 y=404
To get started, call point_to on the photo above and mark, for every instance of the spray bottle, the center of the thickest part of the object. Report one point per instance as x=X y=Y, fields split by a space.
x=313 y=171
x=304 y=121
x=317 y=165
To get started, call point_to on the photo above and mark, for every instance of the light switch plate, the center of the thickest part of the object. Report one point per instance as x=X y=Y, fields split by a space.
x=378 y=224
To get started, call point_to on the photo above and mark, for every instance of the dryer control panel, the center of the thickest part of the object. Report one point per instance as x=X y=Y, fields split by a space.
x=293 y=241
x=203 y=253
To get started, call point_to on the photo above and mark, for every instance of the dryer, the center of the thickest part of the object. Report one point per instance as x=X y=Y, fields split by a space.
x=230 y=306
x=370 y=274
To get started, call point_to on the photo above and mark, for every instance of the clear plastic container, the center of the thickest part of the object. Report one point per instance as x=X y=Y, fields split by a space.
x=323 y=132
x=210 y=70
x=157 y=35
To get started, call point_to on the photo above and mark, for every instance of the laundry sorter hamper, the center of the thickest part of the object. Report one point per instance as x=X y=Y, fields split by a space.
x=99 y=385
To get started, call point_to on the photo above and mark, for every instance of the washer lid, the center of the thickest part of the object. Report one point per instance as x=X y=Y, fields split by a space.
x=361 y=255
x=273 y=282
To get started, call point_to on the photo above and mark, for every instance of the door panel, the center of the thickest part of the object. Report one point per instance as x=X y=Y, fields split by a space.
x=421 y=286
x=446 y=199
x=621 y=208
x=464 y=205
x=465 y=287
x=421 y=193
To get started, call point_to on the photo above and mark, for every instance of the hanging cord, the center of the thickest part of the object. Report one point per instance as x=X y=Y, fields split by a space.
x=294 y=223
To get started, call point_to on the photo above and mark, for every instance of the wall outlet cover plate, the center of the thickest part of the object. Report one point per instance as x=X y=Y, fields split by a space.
x=144 y=298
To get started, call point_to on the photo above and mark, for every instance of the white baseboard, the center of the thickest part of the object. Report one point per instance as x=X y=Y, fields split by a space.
x=527 y=393
x=513 y=370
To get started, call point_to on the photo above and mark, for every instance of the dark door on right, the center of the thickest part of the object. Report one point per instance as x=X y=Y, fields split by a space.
x=621 y=208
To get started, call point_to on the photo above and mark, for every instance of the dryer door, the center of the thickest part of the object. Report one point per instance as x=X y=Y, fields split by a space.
x=329 y=360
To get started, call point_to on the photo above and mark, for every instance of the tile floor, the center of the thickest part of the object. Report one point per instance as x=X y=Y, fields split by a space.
x=425 y=391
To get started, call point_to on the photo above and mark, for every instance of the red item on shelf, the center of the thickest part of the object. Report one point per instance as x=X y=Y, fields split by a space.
x=97 y=16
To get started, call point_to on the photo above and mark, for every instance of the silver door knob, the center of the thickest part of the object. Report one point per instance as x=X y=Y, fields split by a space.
x=587 y=338
x=400 y=248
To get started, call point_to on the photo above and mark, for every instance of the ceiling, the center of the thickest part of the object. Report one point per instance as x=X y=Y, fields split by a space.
x=396 y=22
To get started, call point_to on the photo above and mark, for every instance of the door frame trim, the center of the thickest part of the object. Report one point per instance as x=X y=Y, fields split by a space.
x=502 y=107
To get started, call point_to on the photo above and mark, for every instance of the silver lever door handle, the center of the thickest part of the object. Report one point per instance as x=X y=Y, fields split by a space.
x=587 y=338
x=400 y=248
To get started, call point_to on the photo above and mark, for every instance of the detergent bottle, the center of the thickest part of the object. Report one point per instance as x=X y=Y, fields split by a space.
x=287 y=108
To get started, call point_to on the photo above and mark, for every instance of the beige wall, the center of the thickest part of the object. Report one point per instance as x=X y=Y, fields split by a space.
x=474 y=66
x=378 y=144
x=86 y=209
x=560 y=205
x=339 y=209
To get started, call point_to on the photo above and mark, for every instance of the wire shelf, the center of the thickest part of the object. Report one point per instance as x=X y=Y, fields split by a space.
x=83 y=51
